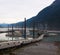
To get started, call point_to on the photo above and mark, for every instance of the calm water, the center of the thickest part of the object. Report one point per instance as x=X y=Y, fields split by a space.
x=3 y=37
x=52 y=38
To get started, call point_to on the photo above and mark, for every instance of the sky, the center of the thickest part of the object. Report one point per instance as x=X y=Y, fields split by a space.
x=12 y=11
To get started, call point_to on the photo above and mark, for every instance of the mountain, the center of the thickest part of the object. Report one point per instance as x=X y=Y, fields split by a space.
x=19 y=24
x=3 y=25
x=50 y=16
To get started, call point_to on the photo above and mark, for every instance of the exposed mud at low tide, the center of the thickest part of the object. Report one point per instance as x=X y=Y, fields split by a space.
x=40 y=48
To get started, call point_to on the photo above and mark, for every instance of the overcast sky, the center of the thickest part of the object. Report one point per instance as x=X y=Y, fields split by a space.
x=12 y=11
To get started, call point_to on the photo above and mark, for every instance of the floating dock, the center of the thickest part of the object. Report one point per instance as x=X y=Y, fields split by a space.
x=9 y=44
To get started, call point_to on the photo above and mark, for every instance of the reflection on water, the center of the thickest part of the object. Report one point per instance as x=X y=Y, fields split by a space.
x=4 y=37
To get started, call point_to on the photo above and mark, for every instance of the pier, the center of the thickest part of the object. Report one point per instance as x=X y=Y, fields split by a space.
x=9 y=44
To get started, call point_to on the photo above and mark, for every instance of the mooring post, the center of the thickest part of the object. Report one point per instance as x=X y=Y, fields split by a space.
x=45 y=27
x=22 y=30
x=33 y=29
x=8 y=29
x=38 y=27
x=25 y=28
x=12 y=32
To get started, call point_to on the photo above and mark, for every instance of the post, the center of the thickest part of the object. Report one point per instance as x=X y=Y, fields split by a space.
x=22 y=30
x=8 y=29
x=45 y=27
x=38 y=27
x=12 y=32
x=33 y=29
x=25 y=28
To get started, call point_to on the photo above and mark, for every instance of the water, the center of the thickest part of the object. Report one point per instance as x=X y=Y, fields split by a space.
x=52 y=38
x=3 y=37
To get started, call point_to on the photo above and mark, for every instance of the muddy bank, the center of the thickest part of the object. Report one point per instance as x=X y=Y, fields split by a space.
x=40 y=48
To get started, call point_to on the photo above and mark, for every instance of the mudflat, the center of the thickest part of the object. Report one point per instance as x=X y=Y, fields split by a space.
x=40 y=48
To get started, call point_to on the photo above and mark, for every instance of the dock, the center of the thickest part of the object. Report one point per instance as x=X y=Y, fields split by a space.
x=9 y=44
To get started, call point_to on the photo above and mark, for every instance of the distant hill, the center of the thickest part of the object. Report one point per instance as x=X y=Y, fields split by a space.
x=3 y=25
x=19 y=24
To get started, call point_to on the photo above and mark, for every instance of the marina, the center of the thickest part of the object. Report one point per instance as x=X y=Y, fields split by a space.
x=29 y=27
x=38 y=41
